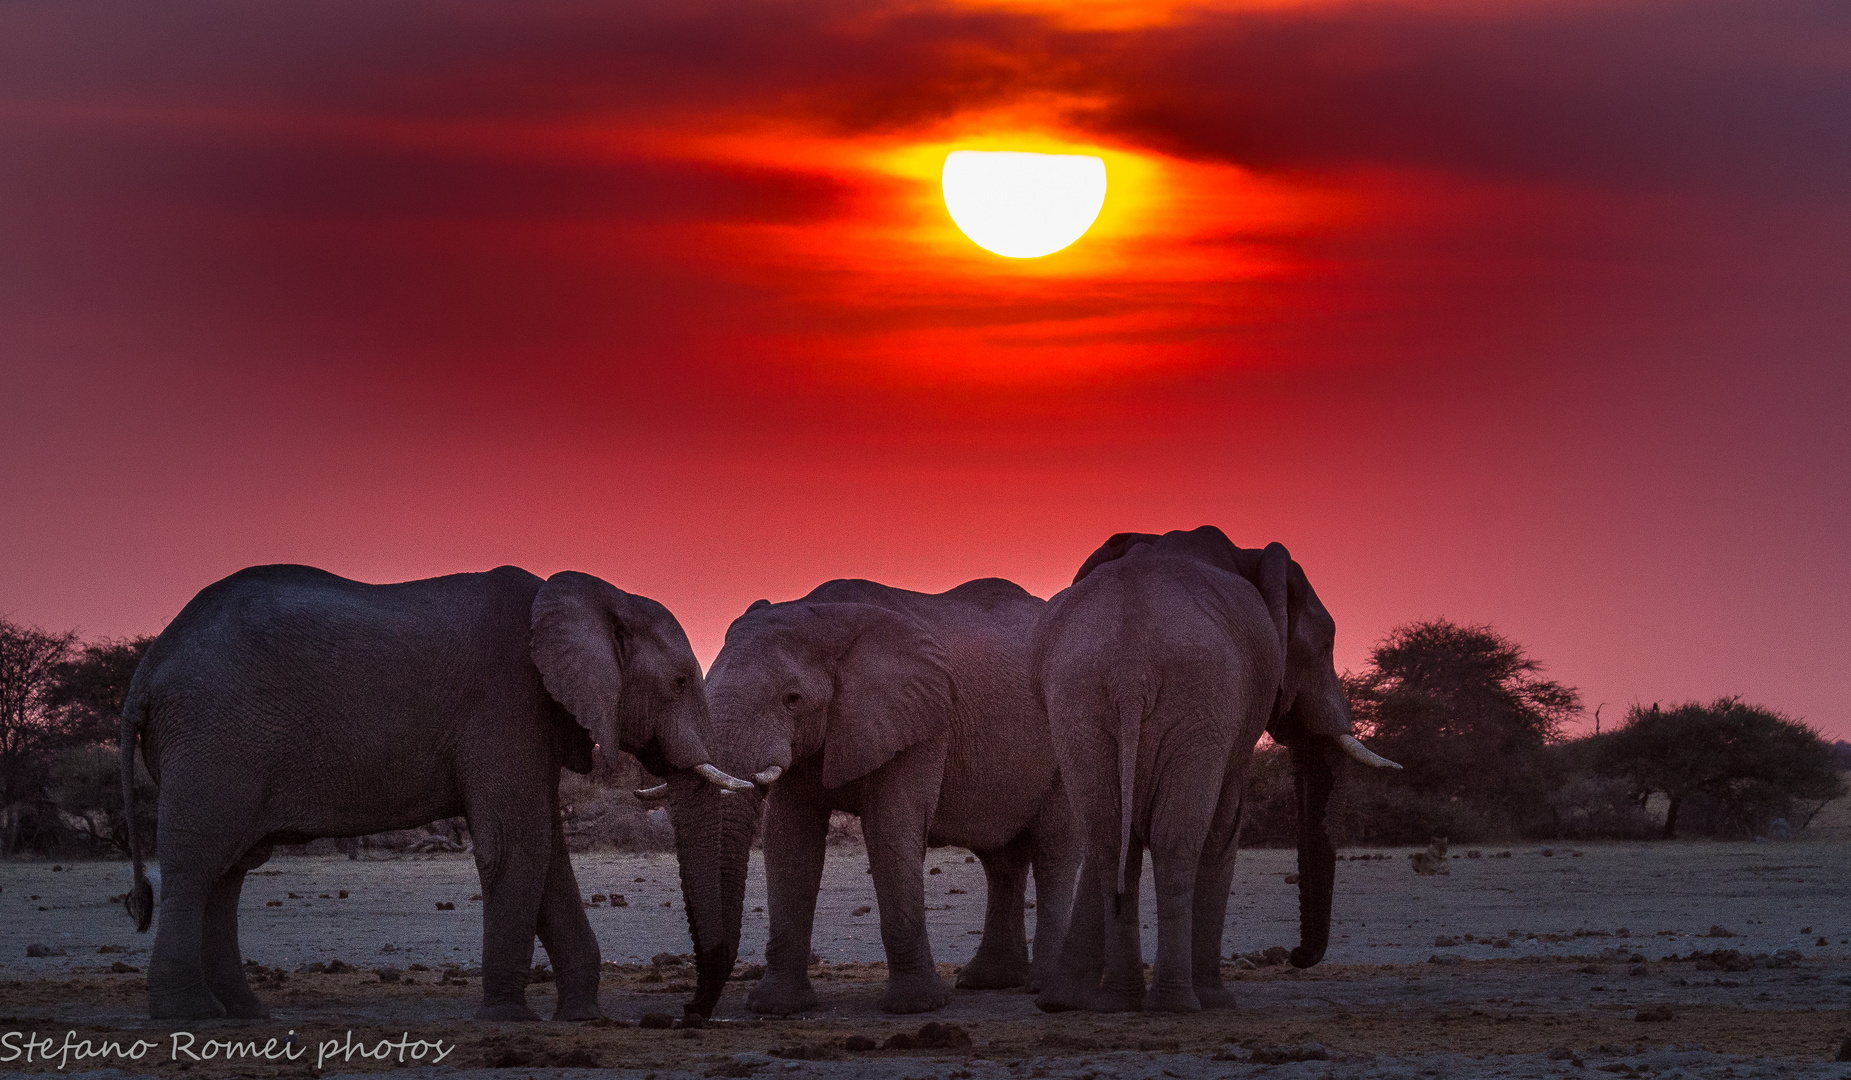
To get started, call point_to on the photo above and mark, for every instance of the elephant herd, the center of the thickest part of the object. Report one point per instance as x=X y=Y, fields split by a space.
x=1061 y=738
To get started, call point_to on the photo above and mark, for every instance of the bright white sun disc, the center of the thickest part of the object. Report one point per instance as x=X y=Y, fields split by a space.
x=1023 y=205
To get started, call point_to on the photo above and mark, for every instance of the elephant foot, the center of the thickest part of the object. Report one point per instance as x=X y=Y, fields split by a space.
x=1176 y=999
x=779 y=994
x=194 y=1003
x=983 y=973
x=578 y=998
x=240 y=1003
x=915 y=993
x=578 y=1010
x=1215 y=997
x=1056 y=999
x=506 y=1010
x=1117 y=999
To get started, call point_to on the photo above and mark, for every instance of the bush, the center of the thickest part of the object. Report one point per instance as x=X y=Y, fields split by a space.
x=1596 y=808
x=611 y=818
x=35 y=827
x=1726 y=768
x=1371 y=812
x=1468 y=714
x=86 y=785
x=1268 y=816
x=30 y=729
x=1367 y=809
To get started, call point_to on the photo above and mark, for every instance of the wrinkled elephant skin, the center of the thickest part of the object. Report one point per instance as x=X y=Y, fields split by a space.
x=285 y=703
x=916 y=713
x=1160 y=667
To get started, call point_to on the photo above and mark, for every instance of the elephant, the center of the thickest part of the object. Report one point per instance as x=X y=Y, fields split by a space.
x=285 y=703
x=915 y=712
x=1160 y=667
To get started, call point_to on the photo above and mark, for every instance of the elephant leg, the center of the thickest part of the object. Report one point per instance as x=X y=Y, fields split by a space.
x=1053 y=842
x=1121 y=987
x=512 y=857
x=1105 y=969
x=177 y=987
x=1174 y=868
x=1187 y=802
x=1002 y=955
x=570 y=943
x=1213 y=878
x=1073 y=979
x=200 y=847
x=219 y=955
x=796 y=836
x=896 y=812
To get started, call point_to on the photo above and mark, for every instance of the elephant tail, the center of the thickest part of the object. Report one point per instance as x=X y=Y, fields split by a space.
x=140 y=899
x=1130 y=723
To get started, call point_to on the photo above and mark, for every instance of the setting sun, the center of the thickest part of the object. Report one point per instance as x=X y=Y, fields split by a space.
x=1023 y=205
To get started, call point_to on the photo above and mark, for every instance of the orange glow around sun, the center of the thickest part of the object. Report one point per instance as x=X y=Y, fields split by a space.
x=1130 y=14
x=1169 y=233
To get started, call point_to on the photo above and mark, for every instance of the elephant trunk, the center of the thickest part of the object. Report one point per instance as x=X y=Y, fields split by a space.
x=713 y=842
x=1313 y=778
x=677 y=733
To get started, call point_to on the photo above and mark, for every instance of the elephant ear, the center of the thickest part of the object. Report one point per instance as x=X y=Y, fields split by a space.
x=1206 y=543
x=1112 y=549
x=575 y=646
x=892 y=691
x=1274 y=582
x=574 y=744
x=1271 y=573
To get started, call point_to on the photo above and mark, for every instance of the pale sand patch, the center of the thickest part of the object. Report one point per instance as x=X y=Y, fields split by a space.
x=1376 y=1007
x=1766 y=893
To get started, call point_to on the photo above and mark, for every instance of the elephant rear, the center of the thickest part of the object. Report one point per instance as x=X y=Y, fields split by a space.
x=1161 y=666
x=162 y=674
x=1156 y=672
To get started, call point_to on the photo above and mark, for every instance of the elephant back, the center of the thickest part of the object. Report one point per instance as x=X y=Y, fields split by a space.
x=1206 y=544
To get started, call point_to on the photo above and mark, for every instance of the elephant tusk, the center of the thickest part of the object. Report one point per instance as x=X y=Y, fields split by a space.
x=769 y=776
x=1363 y=754
x=652 y=794
x=721 y=780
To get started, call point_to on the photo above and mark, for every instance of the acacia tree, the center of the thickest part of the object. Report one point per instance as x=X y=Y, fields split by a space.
x=29 y=662
x=1467 y=712
x=1753 y=762
x=83 y=774
x=88 y=688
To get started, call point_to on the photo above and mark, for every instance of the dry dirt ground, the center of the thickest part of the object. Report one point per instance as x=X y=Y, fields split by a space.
x=1545 y=978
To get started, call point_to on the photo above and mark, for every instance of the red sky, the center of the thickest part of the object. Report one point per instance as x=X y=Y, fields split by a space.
x=1528 y=313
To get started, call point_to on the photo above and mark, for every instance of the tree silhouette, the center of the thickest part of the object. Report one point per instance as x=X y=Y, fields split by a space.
x=29 y=660
x=1753 y=763
x=1465 y=710
x=87 y=689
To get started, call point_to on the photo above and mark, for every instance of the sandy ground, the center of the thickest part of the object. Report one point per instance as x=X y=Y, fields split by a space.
x=1546 y=984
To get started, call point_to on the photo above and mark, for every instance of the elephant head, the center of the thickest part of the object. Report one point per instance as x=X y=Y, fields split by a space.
x=1311 y=713
x=622 y=666
x=845 y=686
